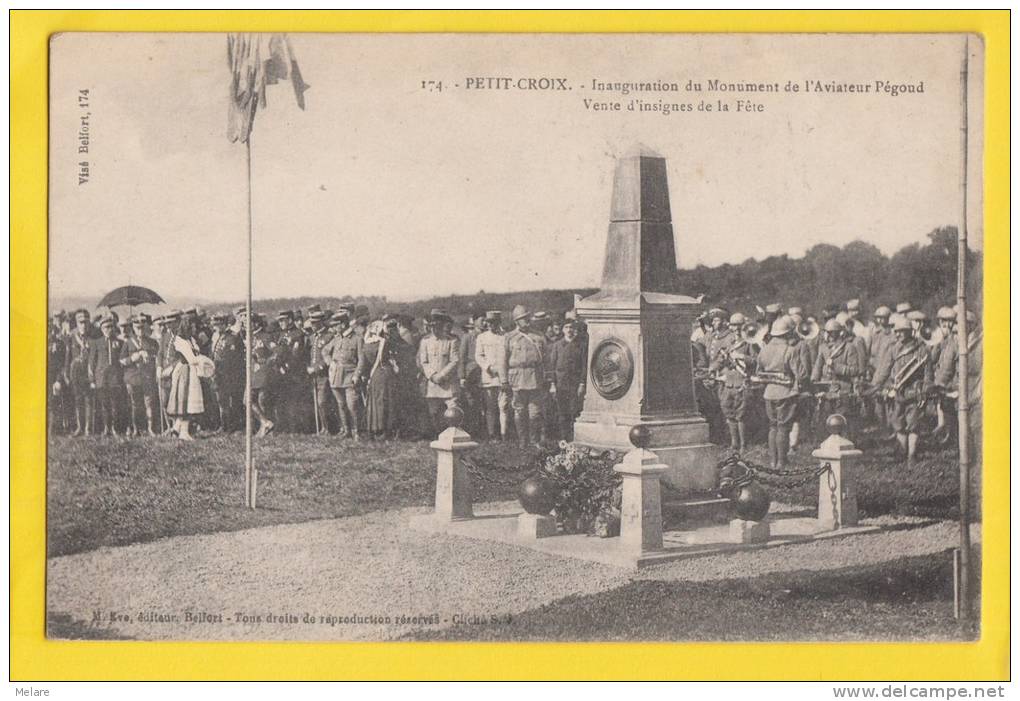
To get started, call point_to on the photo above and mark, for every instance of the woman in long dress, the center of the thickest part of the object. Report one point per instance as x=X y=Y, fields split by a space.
x=185 y=402
x=382 y=383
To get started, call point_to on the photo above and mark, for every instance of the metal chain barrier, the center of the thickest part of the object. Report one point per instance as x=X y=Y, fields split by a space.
x=480 y=475
x=766 y=475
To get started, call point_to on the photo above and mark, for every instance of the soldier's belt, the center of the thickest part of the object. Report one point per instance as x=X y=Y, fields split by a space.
x=771 y=378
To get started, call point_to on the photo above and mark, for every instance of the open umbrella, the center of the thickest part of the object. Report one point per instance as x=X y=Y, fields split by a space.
x=130 y=296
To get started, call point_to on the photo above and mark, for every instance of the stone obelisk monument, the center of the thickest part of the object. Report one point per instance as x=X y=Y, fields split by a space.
x=639 y=354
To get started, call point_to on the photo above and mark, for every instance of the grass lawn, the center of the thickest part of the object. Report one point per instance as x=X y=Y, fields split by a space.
x=904 y=599
x=104 y=492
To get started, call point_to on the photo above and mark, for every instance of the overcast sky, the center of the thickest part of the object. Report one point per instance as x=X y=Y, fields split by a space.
x=382 y=188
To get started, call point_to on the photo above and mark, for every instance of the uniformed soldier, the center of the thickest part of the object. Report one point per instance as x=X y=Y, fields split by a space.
x=78 y=372
x=228 y=379
x=567 y=375
x=490 y=356
x=292 y=378
x=107 y=374
x=263 y=354
x=348 y=366
x=947 y=337
x=318 y=371
x=838 y=368
x=732 y=365
x=439 y=362
x=907 y=368
x=880 y=337
x=777 y=367
x=524 y=360
x=803 y=366
x=138 y=358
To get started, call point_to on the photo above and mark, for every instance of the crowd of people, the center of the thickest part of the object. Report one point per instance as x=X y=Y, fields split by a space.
x=317 y=371
x=519 y=377
x=896 y=374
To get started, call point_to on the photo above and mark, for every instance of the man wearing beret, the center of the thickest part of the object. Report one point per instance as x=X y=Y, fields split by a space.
x=567 y=360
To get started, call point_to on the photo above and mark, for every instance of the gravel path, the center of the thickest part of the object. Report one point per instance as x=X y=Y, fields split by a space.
x=355 y=578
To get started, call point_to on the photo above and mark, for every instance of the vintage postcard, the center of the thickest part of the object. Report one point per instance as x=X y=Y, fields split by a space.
x=519 y=337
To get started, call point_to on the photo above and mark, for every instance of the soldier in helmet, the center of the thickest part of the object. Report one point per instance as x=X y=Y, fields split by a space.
x=838 y=367
x=805 y=361
x=732 y=366
x=880 y=337
x=524 y=360
x=947 y=334
x=777 y=365
x=907 y=368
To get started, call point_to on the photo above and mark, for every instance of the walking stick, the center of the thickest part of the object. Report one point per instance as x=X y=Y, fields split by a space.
x=315 y=407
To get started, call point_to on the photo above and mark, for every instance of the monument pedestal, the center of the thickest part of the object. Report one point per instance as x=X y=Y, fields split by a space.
x=680 y=442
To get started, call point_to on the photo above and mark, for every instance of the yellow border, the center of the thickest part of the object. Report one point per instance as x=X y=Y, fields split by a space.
x=35 y=658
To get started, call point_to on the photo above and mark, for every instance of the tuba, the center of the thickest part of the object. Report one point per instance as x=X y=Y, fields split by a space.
x=808 y=329
x=754 y=333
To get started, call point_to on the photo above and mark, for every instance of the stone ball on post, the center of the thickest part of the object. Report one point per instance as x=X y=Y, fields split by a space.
x=454 y=417
x=752 y=502
x=836 y=425
x=537 y=495
x=640 y=436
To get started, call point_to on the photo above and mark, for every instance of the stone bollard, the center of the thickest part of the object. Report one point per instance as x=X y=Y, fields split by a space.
x=454 y=494
x=641 y=510
x=837 y=489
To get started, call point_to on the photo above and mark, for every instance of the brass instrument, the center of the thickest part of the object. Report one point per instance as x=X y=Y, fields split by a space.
x=808 y=329
x=763 y=377
x=754 y=333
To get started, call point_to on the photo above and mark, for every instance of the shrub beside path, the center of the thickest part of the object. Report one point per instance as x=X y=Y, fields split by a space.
x=371 y=577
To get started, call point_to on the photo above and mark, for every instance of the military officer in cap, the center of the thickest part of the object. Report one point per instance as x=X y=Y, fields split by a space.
x=107 y=374
x=138 y=358
x=439 y=362
x=567 y=375
x=263 y=354
x=490 y=356
x=525 y=359
x=318 y=370
x=777 y=366
x=907 y=367
x=228 y=379
x=78 y=372
x=292 y=378
x=348 y=366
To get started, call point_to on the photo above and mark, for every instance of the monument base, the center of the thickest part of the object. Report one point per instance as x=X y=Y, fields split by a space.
x=680 y=442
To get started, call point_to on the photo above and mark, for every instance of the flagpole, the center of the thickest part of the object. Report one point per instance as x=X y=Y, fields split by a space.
x=249 y=500
x=963 y=383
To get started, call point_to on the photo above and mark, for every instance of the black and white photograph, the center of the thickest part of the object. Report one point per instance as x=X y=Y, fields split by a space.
x=514 y=337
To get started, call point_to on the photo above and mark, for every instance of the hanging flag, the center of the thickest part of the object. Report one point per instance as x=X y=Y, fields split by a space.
x=256 y=61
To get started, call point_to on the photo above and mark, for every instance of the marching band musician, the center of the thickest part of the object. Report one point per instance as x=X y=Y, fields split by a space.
x=839 y=365
x=805 y=364
x=777 y=366
x=907 y=367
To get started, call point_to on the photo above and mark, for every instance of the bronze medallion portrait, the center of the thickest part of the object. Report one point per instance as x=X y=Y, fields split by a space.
x=612 y=368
